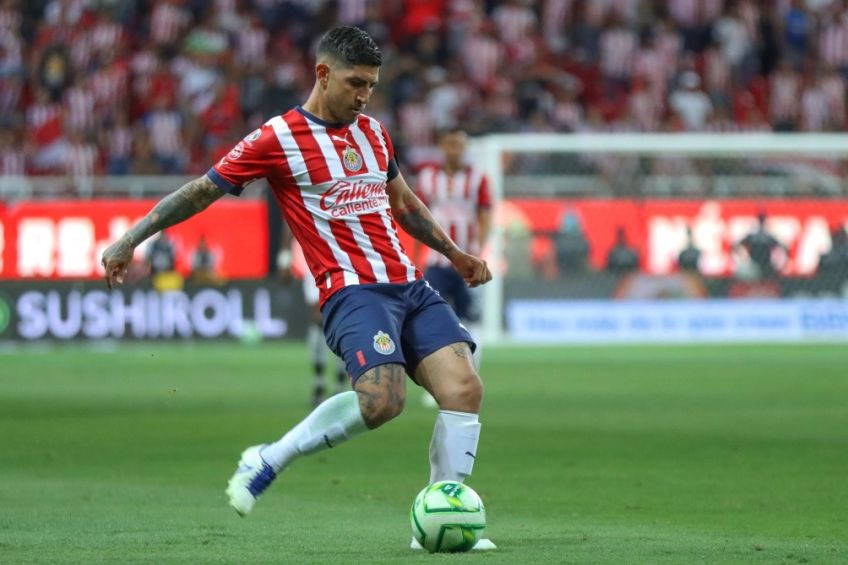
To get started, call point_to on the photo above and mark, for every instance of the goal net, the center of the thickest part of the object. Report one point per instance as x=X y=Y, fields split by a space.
x=666 y=237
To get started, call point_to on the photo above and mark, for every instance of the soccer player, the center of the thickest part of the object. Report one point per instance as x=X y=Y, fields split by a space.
x=333 y=170
x=457 y=195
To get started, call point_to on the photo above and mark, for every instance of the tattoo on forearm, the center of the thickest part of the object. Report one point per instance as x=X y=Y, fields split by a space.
x=422 y=228
x=193 y=197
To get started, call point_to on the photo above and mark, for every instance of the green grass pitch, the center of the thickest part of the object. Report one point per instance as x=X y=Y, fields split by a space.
x=732 y=454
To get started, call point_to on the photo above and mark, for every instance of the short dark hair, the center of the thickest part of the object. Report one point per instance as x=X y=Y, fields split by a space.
x=450 y=130
x=351 y=46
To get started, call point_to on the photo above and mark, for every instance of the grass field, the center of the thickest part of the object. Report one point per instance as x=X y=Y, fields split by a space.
x=735 y=454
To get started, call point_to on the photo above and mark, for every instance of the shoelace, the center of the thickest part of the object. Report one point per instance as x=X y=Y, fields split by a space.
x=262 y=479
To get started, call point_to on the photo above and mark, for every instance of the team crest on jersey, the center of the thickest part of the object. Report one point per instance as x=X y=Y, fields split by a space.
x=351 y=159
x=236 y=151
x=253 y=136
x=383 y=344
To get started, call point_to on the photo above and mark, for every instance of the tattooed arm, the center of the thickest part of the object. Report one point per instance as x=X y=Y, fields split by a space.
x=178 y=206
x=414 y=217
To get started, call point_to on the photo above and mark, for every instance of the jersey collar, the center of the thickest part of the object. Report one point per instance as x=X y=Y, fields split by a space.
x=312 y=117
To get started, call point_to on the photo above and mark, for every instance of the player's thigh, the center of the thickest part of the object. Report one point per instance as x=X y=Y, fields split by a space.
x=450 y=376
x=430 y=325
x=362 y=325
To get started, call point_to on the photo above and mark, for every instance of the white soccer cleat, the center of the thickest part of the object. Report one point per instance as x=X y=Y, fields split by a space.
x=250 y=480
x=484 y=544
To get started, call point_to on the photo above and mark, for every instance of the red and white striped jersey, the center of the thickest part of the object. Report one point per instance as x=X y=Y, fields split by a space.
x=833 y=44
x=455 y=200
x=81 y=159
x=330 y=181
x=12 y=162
x=617 y=48
x=167 y=21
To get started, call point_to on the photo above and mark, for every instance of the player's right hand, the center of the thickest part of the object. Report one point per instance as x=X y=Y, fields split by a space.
x=115 y=261
x=473 y=270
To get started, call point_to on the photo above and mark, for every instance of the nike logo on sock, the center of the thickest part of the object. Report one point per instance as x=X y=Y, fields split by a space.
x=470 y=454
x=244 y=468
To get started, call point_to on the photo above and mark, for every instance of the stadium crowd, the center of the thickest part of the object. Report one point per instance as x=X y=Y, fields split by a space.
x=167 y=86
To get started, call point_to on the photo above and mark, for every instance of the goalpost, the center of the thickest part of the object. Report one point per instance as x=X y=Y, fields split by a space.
x=574 y=167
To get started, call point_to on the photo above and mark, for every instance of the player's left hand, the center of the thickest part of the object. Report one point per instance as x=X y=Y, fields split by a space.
x=474 y=270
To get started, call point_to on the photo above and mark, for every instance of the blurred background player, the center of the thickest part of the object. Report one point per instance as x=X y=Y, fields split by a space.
x=203 y=270
x=458 y=197
x=162 y=258
x=316 y=345
x=760 y=246
x=689 y=258
x=622 y=258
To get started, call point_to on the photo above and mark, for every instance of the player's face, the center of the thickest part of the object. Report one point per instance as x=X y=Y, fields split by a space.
x=453 y=146
x=349 y=89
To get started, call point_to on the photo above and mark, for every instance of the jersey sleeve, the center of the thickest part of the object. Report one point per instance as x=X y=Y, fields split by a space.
x=484 y=198
x=251 y=159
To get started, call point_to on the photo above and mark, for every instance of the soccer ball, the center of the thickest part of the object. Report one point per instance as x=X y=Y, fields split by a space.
x=447 y=517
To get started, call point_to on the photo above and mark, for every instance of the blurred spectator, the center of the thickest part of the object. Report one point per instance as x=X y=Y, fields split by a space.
x=689 y=102
x=116 y=141
x=798 y=26
x=571 y=246
x=203 y=264
x=622 y=258
x=833 y=264
x=785 y=92
x=760 y=246
x=161 y=255
x=164 y=126
x=106 y=68
x=81 y=158
x=689 y=258
x=12 y=158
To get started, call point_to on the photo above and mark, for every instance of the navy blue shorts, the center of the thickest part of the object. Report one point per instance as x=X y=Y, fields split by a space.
x=450 y=284
x=375 y=324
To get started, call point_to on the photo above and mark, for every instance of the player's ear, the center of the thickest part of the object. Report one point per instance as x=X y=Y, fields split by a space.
x=322 y=72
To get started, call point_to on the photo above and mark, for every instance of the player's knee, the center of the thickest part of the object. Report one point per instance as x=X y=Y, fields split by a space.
x=382 y=394
x=378 y=411
x=465 y=394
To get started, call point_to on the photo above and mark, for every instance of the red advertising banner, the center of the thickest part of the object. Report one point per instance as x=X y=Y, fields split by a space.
x=64 y=239
x=657 y=229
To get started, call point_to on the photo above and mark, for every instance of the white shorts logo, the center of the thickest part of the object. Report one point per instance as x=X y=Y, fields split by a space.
x=383 y=344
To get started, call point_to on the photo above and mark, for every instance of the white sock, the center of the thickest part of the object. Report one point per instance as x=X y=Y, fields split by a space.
x=333 y=422
x=454 y=446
